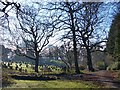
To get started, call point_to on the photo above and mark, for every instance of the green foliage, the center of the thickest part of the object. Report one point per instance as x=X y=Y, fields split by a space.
x=111 y=39
x=114 y=66
x=100 y=65
x=113 y=44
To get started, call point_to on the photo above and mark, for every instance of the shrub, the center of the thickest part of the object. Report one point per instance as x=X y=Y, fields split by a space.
x=114 y=66
x=82 y=67
x=100 y=65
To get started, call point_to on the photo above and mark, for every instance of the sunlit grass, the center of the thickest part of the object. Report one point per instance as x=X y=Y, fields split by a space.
x=52 y=84
x=30 y=68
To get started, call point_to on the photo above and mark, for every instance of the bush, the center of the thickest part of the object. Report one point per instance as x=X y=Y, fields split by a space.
x=100 y=65
x=114 y=66
x=82 y=67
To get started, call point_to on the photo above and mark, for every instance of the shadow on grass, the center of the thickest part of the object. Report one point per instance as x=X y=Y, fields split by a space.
x=29 y=77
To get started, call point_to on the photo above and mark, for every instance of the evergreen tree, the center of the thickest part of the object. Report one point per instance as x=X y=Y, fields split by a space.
x=117 y=38
x=113 y=44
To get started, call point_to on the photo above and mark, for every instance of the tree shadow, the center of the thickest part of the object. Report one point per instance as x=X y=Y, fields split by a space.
x=32 y=77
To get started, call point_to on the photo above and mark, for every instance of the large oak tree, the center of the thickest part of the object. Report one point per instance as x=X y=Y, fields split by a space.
x=34 y=29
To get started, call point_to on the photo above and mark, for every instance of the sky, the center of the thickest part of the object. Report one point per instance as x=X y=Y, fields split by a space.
x=54 y=40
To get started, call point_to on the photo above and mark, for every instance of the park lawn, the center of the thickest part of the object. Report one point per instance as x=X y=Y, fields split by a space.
x=52 y=84
x=31 y=70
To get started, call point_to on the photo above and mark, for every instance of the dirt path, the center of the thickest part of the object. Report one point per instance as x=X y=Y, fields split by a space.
x=105 y=78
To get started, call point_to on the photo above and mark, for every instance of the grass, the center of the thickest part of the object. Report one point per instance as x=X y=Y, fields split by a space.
x=52 y=84
x=30 y=68
x=42 y=84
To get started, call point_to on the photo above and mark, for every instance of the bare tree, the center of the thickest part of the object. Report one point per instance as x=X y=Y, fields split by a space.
x=82 y=21
x=35 y=31
x=65 y=53
x=63 y=13
x=88 y=20
x=5 y=8
x=8 y=6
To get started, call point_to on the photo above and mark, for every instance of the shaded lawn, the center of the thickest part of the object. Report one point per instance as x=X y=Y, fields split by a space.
x=52 y=84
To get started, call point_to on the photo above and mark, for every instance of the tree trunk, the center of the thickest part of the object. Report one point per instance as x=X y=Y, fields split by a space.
x=104 y=60
x=89 y=60
x=74 y=38
x=68 y=68
x=36 y=62
x=75 y=54
x=75 y=48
